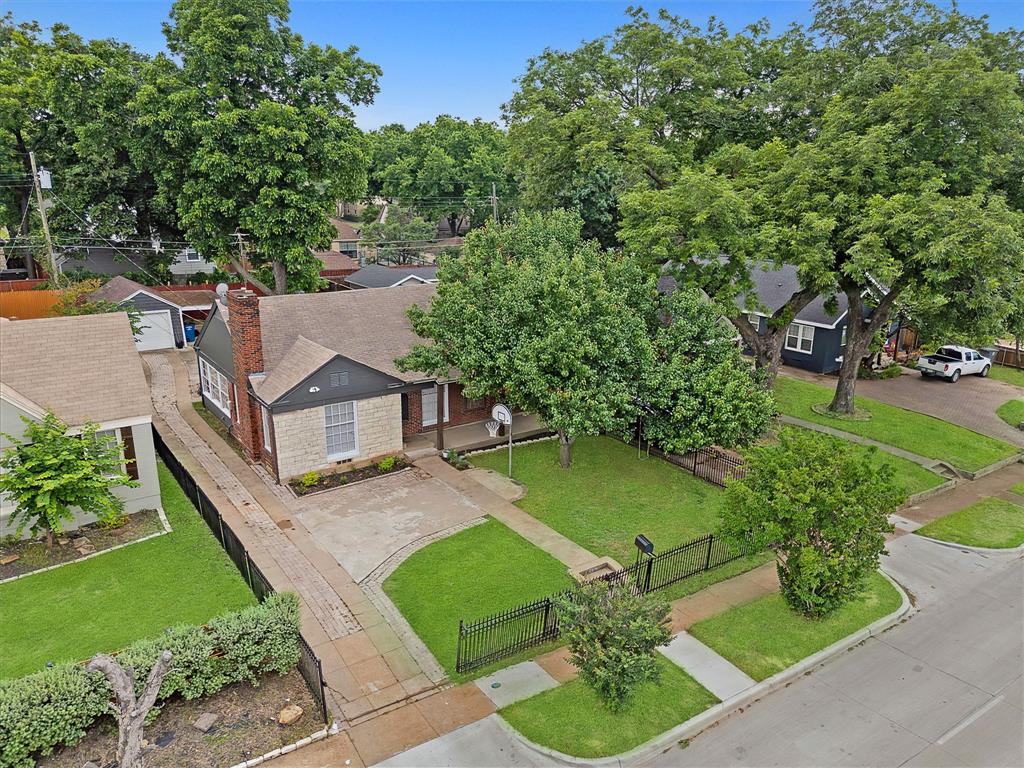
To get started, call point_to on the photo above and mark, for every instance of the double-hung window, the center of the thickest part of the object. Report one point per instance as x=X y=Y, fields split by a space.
x=125 y=441
x=265 y=416
x=216 y=387
x=800 y=338
x=340 y=428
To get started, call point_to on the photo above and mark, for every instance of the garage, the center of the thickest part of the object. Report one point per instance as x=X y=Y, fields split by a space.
x=157 y=331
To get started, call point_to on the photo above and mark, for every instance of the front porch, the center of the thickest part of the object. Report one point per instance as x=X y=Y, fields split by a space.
x=471 y=437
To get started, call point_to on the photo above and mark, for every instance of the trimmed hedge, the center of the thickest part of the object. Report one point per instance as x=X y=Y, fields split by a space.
x=55 y=707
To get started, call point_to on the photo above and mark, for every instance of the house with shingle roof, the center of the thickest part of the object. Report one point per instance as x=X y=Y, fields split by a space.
x=84 y=369
x=164 y=313
x=308 y=382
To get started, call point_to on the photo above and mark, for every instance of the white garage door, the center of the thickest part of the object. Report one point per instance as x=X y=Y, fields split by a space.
x=156 y=331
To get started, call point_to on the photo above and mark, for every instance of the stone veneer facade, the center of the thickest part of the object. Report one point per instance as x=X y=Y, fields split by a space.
x=301 y=442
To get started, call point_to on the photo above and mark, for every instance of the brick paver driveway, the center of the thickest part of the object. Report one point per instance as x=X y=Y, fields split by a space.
x=971 y=402
x=363 y=525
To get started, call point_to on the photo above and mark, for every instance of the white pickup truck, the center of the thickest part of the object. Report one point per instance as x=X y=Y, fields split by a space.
x=953 y=362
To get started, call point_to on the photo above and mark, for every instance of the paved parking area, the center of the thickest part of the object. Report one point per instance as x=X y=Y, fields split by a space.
x=971 y=402
x=364 y=524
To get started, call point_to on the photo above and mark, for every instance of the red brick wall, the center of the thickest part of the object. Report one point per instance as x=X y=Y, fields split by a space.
x=247 y=349
x=458 y=413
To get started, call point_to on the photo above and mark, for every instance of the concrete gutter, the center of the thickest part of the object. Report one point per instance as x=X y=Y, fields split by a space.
x=709 y=717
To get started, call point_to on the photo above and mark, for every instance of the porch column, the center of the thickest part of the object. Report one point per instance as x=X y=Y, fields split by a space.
x=439 y=434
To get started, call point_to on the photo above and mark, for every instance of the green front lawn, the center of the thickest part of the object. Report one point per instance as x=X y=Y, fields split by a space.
x=912 y=476
x=765 y=636
x=914 y=432
x=1018 y=489
x=1009 y=375
x=104 y=603
x=572 y=719
x=991 y=522
x=608 y=496
x=472 y=574
x=1012 y=412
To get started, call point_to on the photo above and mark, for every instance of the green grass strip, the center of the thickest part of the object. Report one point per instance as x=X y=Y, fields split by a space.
x=1012 y=412
x=572 y=719
x=765 y=636
x=914 y=432
x=991 y=522
x=1007 y=374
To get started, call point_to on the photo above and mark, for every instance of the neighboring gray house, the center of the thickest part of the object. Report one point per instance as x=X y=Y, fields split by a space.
x=84 y=369
x=815 y=339
x=190 y=262
x=378 y=276
x=163 y=312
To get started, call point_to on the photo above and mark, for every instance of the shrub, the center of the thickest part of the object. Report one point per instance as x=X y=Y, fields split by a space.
x=309 y=480
x=822 y=508
x=612 y=635
x=387 y=463
x=54 y=707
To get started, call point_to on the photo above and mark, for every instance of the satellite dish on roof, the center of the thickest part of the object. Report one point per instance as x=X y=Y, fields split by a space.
x=222 y=289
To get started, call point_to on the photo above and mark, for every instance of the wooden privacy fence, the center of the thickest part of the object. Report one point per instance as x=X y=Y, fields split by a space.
x=27 y=305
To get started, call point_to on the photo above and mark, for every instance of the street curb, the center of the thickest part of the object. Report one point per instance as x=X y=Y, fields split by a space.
x=1017 y=457
x=709 y=717
x=1019 y=549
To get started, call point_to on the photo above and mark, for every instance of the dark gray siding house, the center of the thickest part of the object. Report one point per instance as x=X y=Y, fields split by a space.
x=815 y=339
x=378 y=276
x=216 y=365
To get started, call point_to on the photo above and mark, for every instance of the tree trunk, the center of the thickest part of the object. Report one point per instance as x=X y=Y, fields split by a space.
x=453 y=224
x=859 y=333
x=49 y=538
x=767 y=346
x=131 y=711
x=565 y=449
x=280 y=278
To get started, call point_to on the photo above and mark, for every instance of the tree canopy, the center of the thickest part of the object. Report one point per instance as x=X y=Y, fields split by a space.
x=533 y=314
x=443 y=169
x=251 y=130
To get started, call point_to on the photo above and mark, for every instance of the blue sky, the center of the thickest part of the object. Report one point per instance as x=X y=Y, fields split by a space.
x=458 y=58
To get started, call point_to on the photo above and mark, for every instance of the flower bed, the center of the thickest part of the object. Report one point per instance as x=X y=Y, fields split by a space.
x=33 y=555
x=312 y=482
x=246 y=727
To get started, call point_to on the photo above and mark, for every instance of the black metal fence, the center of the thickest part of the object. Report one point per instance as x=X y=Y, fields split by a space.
x=309 y=665
x=506 y=634
x=714 y=465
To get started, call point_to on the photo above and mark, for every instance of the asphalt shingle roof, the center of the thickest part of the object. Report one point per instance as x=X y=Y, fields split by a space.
x=83 y=368
x=369 y=326
x=377 y=276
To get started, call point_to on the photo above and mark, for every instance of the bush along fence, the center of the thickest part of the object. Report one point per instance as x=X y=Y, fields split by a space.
x=308 y=663
x=505 y=634
x=54 y=707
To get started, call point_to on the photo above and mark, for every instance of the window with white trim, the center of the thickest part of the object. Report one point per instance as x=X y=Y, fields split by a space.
x=800 y=338
x=842 y=339
x=265 y=416
x=216 y=387
x=340 y=429
x=754 y=319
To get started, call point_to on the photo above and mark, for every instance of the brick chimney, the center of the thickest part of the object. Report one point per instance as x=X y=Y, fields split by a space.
x=247 y=350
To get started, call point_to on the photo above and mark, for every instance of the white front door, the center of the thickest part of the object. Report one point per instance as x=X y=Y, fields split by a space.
x=157 y=331
x=429 y=395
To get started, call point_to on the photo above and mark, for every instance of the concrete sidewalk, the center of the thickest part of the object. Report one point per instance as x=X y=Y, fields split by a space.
x=963 y=495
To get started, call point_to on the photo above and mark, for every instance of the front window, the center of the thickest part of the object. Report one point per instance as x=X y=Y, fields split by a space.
x=216 y=387
x=125 y=442
x=340 y=428
x=754 y=320
x=842 y=339
x=265 y=414
x=800 y=338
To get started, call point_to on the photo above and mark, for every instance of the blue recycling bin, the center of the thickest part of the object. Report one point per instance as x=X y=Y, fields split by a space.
x=190 y=332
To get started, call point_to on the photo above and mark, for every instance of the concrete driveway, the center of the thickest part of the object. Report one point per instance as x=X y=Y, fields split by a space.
x=364 y=524
x=971 y=402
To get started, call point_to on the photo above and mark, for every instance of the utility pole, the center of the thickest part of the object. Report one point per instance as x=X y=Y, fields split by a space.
x=54 y=271
x=494 y=200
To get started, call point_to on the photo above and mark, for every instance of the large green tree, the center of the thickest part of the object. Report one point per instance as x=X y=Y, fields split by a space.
x=444 y=169
x=251 y=132
x=548 y=322
x=909 y=186
x=630 y=108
